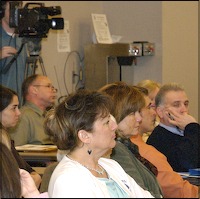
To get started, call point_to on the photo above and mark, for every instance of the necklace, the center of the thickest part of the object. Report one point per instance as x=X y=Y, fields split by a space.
x=99 y=172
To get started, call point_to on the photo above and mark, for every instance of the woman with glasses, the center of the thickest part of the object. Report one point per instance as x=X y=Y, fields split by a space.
x=152 y=87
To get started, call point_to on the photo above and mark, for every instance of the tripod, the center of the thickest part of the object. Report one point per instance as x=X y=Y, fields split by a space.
x=34 y=47
x=31 y=65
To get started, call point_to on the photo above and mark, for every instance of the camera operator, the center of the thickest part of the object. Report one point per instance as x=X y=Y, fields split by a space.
x=12 y=59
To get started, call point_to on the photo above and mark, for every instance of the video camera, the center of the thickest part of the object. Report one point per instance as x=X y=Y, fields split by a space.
x=33 y=21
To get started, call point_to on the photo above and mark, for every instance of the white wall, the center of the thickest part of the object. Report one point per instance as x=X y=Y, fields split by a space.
x=138 y=21
x=171 y=25
x=180 y=47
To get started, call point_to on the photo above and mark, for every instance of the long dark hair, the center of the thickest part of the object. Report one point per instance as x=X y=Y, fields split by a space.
x=6 y=97
x=10 y=185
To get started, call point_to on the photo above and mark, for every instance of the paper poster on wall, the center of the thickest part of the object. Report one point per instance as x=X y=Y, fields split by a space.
x=63 y=38
x=101 y=29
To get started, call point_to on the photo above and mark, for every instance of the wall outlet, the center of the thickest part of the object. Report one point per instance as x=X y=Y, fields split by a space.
x=148 y=49
x=135 y=49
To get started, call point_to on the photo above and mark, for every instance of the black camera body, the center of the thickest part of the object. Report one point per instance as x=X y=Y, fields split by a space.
x=32 y=20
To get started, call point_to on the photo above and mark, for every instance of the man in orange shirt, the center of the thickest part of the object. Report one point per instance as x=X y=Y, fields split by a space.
x=172 y=184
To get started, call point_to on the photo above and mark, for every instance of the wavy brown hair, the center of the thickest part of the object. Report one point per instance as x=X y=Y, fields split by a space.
x=126 y=99
x=77 y=112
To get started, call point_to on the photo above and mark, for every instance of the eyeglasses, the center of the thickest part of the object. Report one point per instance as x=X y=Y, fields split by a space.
x=151 y=106
x=49 y=86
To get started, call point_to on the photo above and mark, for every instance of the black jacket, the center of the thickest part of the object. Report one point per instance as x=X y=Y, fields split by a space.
x=182 y=152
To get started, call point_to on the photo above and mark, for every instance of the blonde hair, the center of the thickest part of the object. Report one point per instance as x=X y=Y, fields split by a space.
x=150 y=85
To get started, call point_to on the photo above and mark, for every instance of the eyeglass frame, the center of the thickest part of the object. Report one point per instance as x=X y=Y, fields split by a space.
x=47 y=86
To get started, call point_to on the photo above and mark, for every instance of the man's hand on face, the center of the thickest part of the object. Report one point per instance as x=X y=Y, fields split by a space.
x=178 y=119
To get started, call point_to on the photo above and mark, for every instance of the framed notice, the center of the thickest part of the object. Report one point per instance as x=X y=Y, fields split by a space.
x=63 y=38
x=101 y=29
